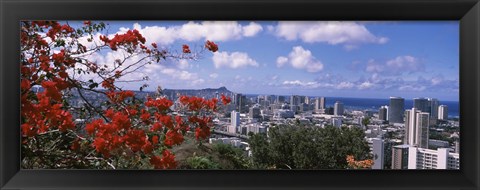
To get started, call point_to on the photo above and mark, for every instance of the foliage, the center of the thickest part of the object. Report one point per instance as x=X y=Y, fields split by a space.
x=234 y=155
x=305 y=147
x=124 y=132
x=199 y=162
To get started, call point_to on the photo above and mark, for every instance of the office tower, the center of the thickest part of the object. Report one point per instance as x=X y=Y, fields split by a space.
x=337 y=122
x=383 y=113
x=320 y=104
x=421 y=158
x=396 y=109
x=280 y=99
x=400 y=157
x=433 y=105
x=416 y=128
x=240 y=102
x=302 y=99
x=421 y=104
x=378 y=153
x=254 y=112
x=307 y=100
x=329 y=110
x=295 y=100
x=338 y=108
x=235 y=122
x=443 y=112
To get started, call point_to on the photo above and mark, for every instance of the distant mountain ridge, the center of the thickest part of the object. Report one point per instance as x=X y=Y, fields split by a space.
x=206 y=92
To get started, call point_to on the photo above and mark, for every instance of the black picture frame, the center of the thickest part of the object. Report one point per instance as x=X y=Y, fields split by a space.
x=466 y=11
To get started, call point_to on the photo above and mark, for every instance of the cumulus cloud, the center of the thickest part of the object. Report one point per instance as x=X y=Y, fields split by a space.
x=396 y=66
x=281 y=61
x=252 y=29
x=233 y=60
x=194 y=31
x=349 y=34
x=300 y=58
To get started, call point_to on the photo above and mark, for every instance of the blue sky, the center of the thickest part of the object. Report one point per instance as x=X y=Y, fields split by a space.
x=344 y=59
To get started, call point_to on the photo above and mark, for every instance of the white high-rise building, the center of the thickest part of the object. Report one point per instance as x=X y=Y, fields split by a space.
x=443 y=112
x=235 y=122
x=320 y=104
x=416 y=128
x=338 y=108
x=378 y=153
x=421 y=158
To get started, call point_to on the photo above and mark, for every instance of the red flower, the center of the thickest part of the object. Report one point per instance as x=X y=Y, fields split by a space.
x=87 y=23
x=166 y=162
x=155 y=139
x=135 y=139
x=156 y=127
x=28 y=130
x=25 y=84
x=154 y=45
x=211 y=46
x=91 y=127
x=226 y=100
x=108 y=83
x=186 y=49
x=173 y=137
x=51 y=90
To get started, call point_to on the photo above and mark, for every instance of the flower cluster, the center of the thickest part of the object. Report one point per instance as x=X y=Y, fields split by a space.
x=197 y=103
x=361 y=164
x=186 y=49
x=132 y=37
x=211 y=46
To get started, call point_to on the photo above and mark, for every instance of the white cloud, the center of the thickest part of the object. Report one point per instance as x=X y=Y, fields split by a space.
x=350 y=34
x=213 y=75
x=233 y=60
x=252 y=29
x=281 y=61
x=194 y=31
x=365 y=85
x=183 y=64
x=300 y=58
x=345 y=85
x=411 y=88
x=396 y=66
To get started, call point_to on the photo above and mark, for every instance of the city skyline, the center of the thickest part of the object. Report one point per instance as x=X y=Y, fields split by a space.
x=331 y=59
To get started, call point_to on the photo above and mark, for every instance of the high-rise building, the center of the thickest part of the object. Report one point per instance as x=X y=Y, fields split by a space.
x=254 y=112
x=443 y=112
x=416 y=128
x=320 y=104
x=421 y=104
x=295 y=100
x=240 y=102
x=396 y=109
x=338 y=108
x=378 y=153
x=400 y=157
x=235 y=122
x=280 y=99
x=433 y=105
x=421 y=158
x=383 y=113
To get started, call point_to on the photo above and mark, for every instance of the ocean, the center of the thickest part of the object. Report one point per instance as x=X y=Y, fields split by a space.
x=375 y=104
